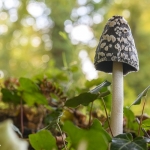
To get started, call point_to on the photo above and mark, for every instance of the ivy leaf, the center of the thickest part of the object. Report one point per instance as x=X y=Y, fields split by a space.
x=87 y=97
x=43 y=140
x=138 y=100
x=90 y=139
x=99 y=87
x=83 y=98
x=126 y=142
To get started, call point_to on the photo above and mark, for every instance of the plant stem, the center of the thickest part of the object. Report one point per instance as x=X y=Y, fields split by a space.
x=62 y=136
x=90 y=114
x=141 y=118
x=117 y=99
x=107 y=116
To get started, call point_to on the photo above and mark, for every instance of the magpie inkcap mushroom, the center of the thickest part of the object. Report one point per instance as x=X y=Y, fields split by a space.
x=116 y=53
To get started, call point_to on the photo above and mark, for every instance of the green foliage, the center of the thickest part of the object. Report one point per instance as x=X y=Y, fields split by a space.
x=126 y=142
x=138 y=100
x=70 y=117
x=89 y=139
x=146 y=124
x=36 y=98
x=30 y=92
x=27 y=85
x=43 y=140
x=84 y=99
x=99 y=87
x=131 y=124
x=87 y=97
x=10 y=96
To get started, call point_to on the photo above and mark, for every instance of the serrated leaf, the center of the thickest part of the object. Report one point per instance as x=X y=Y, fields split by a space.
x=27 y=85
x=99 y=87
x=84 y=99
x=138 y=100
x=43 y=140
x=126 y=142
x=93 y=138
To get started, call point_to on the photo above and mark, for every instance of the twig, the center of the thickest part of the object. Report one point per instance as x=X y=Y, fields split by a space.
x=90 y=114
x=107 y=116
x=62 y=136
x=141 y=118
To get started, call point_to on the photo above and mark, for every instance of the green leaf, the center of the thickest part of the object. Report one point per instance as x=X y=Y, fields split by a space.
x=52 y=120
x=146 y=124
x=84 y=99
x=31 y=93
x=93 y=82
x=126 y=142
x=128 y=114
x=32 y=98
x=43 y=140
x=27 y=85
x=10 y=96
x=100 y=86
x=53 y=117
x=91 y=139
x=87 y=97
x=138 y=100
x=73 y=68
x=131 y=124
x=104 y=94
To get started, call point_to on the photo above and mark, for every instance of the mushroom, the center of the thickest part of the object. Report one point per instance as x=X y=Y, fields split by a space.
x=116 y=53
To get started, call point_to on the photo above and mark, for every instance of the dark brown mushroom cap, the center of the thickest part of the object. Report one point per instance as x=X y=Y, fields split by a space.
x=116 y=44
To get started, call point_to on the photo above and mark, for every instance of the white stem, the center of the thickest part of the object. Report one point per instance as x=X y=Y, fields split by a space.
x=117 y=99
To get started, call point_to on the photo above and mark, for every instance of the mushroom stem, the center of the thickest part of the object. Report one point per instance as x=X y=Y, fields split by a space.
x=117 y=99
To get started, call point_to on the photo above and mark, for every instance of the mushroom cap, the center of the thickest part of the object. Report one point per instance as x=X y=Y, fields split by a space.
x=116 y=44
